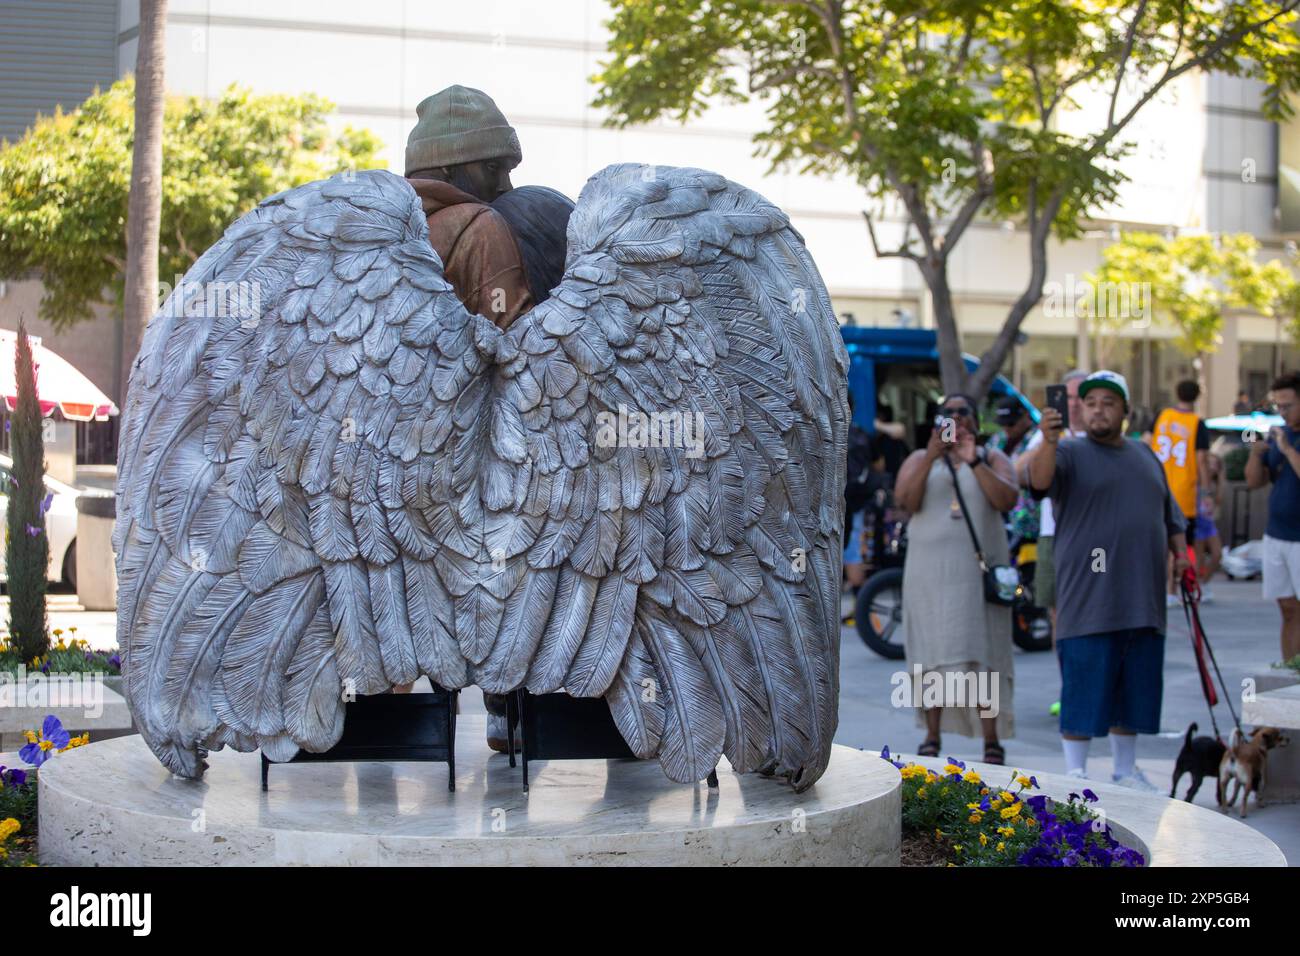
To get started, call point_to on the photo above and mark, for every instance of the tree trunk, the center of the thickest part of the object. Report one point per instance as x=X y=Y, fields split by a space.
x=952 y=370
x=144 y=210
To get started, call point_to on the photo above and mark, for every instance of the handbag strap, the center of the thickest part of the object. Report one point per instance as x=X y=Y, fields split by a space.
x=961 y=503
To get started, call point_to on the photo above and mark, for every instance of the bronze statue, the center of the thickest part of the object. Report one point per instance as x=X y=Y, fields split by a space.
x=633 y=489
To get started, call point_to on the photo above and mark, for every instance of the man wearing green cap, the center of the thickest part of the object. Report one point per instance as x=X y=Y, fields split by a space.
x=1115 y=522
x=458 y=159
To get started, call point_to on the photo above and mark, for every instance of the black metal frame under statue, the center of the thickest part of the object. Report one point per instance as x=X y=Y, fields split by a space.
x=393 y=727
x=560 y=727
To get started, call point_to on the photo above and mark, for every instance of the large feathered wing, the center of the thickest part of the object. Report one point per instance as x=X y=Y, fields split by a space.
x=634 y=492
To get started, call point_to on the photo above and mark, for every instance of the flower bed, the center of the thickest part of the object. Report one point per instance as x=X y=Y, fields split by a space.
x=958 y=819
x=18 y=791
x=70 y=656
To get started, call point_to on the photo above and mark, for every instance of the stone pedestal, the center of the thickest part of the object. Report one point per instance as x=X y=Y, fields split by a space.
x=112 y=803
x=1279 y=708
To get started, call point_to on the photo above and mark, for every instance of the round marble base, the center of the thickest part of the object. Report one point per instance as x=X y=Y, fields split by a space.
x=113 y=804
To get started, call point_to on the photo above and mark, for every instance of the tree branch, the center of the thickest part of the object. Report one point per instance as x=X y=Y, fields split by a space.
x=1123 y=60
x=1172 y=73
x=902 y=252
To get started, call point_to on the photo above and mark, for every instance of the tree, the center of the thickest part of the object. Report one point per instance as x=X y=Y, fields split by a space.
x=949 y=108
x=1188 y=282
x=64 y=186
x=27 y=548
x=144 y=199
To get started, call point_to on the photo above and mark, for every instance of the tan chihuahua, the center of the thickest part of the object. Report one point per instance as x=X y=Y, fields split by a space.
x=1244 y=763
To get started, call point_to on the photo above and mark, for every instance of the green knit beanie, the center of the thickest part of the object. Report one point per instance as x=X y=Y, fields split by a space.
x=459 y=125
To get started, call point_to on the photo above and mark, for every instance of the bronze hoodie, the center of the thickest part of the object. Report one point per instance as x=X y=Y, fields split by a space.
x=478 y=251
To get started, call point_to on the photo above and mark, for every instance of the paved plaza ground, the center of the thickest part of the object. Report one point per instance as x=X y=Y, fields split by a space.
x=1242 y=628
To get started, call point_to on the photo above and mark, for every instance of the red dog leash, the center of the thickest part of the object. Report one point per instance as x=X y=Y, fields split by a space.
x=1191 y=594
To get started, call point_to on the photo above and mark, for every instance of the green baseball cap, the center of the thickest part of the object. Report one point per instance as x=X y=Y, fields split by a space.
x=1105 y=379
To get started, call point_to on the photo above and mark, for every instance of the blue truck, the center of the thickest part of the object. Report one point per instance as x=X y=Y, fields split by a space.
x=901 y=366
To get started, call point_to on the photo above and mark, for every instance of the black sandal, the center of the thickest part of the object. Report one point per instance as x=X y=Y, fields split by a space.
x=994 y=754
x=929 y=748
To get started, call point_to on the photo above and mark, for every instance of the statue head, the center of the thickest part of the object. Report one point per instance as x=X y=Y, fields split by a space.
x=462 y=138
x=539 y=218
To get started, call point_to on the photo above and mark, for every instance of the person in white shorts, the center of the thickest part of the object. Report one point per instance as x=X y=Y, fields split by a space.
x=1277 y=459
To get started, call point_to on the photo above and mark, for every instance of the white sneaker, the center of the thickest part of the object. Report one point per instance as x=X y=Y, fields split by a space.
x=1173 y=600
x=1207 y=596
x=1136 y=781
x=1077 y=774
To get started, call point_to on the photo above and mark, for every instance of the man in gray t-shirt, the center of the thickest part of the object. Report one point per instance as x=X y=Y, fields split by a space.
x=1115 y=522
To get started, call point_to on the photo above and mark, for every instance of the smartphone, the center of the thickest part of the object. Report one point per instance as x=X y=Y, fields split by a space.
x=1059 y=399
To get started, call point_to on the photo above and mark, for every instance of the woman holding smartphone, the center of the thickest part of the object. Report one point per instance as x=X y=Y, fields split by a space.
x=958 y=645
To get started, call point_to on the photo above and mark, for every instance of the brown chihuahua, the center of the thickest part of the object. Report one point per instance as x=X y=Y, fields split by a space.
x=1244 y=763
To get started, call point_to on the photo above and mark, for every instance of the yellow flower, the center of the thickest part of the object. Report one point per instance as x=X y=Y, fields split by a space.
x=952 y=768
x=77 y=741
x=57 y=631
x=972 y=806
x=913 y=770
x=975 y=817
x=1023 y=781
x=8 y=828
x=921 y=793
x=970 y=776
x=1011 y=811
x=931 y=776
x=1006 y=831
x=46 y=744
x=31 y=736
x=984 y=839
x=995 y=803
x=956 y=847
x=1008 y=798
x=1002 y=847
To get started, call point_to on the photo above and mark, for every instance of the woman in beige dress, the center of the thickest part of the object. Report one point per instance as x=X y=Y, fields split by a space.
x=958 y=645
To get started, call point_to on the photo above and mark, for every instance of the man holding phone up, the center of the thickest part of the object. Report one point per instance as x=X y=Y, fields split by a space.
x=1278 y=460
x=1115 y=522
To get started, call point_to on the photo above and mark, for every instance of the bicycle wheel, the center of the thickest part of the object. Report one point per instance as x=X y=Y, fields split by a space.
x=880 y=613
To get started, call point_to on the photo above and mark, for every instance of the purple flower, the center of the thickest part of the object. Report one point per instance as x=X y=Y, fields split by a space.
x=1089 y=795
x=885 y=755
x=46 y=502
x=115 y=662
x=12 y=778
x=1038 y=804
x=956 y=763
x=53 y=733
x=33 y=530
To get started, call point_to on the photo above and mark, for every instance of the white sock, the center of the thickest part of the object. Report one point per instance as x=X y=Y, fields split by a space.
x=1123 y=749
x=1076 y=754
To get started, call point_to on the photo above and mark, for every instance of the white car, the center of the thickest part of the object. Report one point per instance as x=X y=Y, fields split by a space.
x=60 y=524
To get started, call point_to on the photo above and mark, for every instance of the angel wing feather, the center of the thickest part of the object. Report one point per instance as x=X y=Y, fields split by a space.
x=633 y=492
